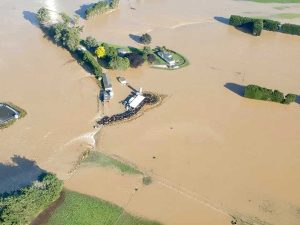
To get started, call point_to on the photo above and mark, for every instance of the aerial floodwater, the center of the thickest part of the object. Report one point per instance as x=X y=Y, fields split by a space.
x=214 y=156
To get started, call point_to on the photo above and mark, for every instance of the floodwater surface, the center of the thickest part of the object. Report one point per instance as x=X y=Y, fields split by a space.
x=239 y=155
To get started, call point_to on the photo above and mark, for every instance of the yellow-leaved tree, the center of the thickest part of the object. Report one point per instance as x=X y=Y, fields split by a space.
x=100 y=52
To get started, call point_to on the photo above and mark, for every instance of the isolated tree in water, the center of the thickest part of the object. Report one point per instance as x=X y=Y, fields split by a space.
x=146 y=39
x=43 y=15
x=100 y=52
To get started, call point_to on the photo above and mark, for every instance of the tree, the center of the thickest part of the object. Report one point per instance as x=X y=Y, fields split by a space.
x=147 y=50
x=135 y=59
x=110 y=51
x=146 y=39
x=151 y=58
x=289 y=98
x=277 y=96
x=114 y=3
x=76 y=19
x=57 y=31
x=43 y=15
x=71 y=39
x=91 y=42
x=100 y=52
x=79 y=29
x=118 y=63
x=65 y=18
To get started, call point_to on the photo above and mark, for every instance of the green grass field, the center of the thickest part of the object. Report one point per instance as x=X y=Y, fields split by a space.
x=274 y=1
x=281 y=7
x=22 y=114
x=287 y=15
x=79 y=209
x=97 y=159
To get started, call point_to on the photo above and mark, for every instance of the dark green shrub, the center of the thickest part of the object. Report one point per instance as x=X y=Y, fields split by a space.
x=271 y=25
x=135 y=59
x=91 y=42
x=289 y=98
x=118 y=63
x=236 y=20
x=146 y=39
x=97 y=9
x=256 y=24
x=277 y=96
x=89 y=59
x=22 y=206
x=257 y=27
x=114 y=3
x=260 y=93
x=151 y=58
x=256 y=92
x=290 y=29
x=43 y=15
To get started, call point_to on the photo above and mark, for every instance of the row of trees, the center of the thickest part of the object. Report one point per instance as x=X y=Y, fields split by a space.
x=62 y=32
x=259 y=24
x=260 y=93
x=100 y=8
x=256 y=24
x=20 y=207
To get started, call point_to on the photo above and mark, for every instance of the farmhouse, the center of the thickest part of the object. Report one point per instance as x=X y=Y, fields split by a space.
x=167 y=57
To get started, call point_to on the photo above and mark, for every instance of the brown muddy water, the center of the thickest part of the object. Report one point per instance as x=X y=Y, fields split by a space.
x=238 y=154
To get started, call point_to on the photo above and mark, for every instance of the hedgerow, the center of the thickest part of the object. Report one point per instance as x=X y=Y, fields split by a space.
x=261 y=93
x=258 y=24
x=21 y=207
x=97 y=9
x=290 y=29
x=271 y=25
x=89 y=59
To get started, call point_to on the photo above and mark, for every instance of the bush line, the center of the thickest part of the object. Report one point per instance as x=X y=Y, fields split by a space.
x=261 y=93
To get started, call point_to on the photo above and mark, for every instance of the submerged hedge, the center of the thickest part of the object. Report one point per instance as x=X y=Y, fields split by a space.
x=261 y=93
x=21 y=207
x=257 y=24
x=97 y=9
x=89 y=59
x=290 y=29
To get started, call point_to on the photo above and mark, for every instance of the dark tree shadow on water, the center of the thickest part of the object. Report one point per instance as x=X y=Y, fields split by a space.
x=81 y=11
x=236 y=88
x=297 y=99
x=30 y=16
x=136 y=38
x=245 y=28
x=18 y=174
x=222 y=20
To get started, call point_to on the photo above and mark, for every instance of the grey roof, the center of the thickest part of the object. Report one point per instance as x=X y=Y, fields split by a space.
x=166 y=56
x=106 y=81
x=122 y=50
x=106 y=96
x=7 y=112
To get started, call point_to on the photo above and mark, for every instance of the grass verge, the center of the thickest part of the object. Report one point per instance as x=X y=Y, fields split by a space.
x=80 y=209
x=97 y=159
x=22 y=114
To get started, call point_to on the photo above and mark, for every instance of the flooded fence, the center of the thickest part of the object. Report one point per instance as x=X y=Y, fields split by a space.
x=150 y=99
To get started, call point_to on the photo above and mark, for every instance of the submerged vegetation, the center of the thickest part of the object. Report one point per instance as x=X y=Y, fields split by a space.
x=97 y=159
x=147 y=180
x=258 y=24
x=22 y=114
x=80 y=209
x=100 y=8
x=21 y=207
x=260 y=93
